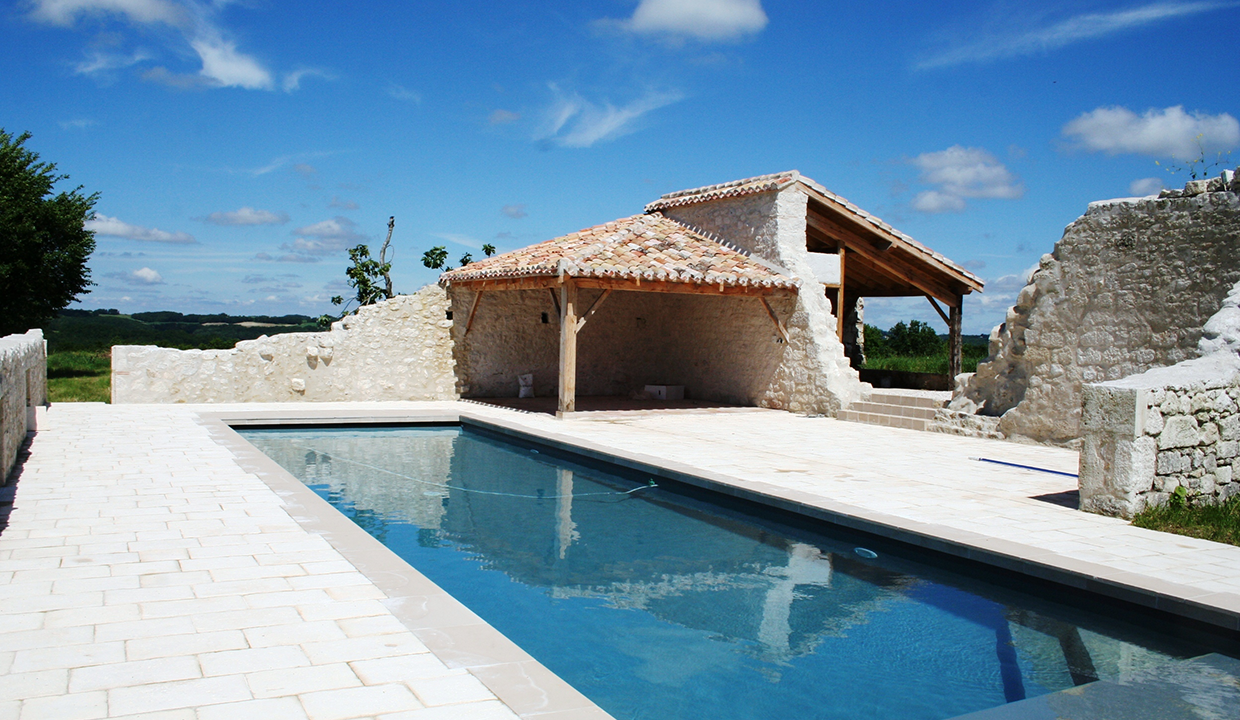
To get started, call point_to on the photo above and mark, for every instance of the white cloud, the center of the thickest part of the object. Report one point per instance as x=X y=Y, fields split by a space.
x=708 y=20
x=194 y=23
x=343 y=204
x=141 y=276
x=222 y=64
x=1145 y=186
x=1158 y=133
x=326 y=237
x=516 y=212
x=572 y=121
x=960 y=173
x=292 y=81
x=246 y=216
x=66 y=12
x=1036 y=37
x=79 y=124
x=104 y=225
x=102 y=62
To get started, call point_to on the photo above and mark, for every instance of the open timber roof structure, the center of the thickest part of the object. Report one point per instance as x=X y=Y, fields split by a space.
x=882 y=261
x=644 y=252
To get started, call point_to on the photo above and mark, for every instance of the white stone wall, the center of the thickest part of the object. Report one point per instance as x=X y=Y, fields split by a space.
x=1147 y=435
x=399 y=349
x=1128 y=288
x=814 y=375
x=23 y=385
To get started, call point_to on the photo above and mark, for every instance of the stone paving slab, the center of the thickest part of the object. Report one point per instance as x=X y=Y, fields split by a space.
x=155 y=565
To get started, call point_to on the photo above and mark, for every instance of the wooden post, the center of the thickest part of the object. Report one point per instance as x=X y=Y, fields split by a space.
x=839 y=299
x=954 y=340
x=568 y=347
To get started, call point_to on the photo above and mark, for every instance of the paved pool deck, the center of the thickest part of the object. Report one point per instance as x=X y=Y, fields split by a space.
x=156 y=566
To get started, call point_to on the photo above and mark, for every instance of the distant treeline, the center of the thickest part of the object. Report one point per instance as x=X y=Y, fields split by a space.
x=99 y=330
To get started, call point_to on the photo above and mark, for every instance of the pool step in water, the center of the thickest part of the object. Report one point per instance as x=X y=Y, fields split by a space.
x=1204 y=687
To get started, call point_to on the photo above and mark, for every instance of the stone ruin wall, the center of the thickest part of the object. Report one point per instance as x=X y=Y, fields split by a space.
x=723 y=349
x=399 y=349
x=1128 y=288
x=1147 y=436
x=23 y=386
x=815 y=376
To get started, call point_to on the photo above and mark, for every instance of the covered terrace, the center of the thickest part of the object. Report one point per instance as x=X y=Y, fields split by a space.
x=636 y=259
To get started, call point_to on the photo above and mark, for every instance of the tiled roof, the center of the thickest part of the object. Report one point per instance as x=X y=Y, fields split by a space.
x=779 y=181
x=651 y=246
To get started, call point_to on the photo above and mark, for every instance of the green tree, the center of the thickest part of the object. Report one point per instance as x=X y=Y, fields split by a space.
x=435 y=258
x=365 y=276
x=875 y=342
x=916 y=339
x=43 y=243
x=488 y=249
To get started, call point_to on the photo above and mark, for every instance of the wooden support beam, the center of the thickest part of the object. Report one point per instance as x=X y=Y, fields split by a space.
x=555 y=299
x=955 y=343
x=568 y=347
x=594 y=306
x=779 y=325
x=839 y=299
x=473 y=308
x=939 y=310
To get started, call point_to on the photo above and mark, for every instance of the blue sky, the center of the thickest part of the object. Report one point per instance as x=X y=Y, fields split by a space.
x=241 y=147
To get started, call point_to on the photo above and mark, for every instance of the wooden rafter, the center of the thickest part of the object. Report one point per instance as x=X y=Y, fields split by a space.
x=657 y=286
x=939 y=310
x=779 y=324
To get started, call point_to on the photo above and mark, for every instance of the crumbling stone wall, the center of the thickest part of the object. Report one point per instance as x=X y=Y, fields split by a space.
x=399 y=349
x=23 y=386
x=1128 y=288
x=1147 y=435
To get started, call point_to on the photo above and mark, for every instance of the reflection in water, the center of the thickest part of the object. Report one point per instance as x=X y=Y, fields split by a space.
x=656 y=605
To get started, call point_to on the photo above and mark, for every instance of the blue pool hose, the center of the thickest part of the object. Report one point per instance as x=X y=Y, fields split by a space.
x=1025 y=467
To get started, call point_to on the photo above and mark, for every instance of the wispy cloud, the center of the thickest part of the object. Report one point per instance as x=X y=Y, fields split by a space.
x=516 y=212
x=110 y=226
x=246 y=216
x=196 y=27
x=398 y=92
x=78 y=124
x=960 y=173
x=1145 y=187
x=706 y=20
x=141 y=276
x=1158 y=133
x=292 y=81
x=503 y=117
x=459 y=239
x=573 y=121
x=289 y=258
x=343 y=204
x=1039 y=36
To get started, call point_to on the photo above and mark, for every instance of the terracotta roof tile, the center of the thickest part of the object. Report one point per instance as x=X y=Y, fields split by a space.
x=650 y=246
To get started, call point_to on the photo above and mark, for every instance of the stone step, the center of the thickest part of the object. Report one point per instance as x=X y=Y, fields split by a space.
x=882 y=408
x=923 y=399
x=909 y=423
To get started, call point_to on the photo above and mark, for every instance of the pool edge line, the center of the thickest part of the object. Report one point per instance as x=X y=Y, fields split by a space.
x=462 y=639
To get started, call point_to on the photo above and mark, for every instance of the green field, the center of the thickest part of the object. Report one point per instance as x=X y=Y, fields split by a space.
x=79 y=343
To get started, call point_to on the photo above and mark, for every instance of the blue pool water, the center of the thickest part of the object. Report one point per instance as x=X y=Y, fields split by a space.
x=659 y=602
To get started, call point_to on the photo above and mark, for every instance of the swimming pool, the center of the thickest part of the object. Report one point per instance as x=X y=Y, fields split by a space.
x=660 y=602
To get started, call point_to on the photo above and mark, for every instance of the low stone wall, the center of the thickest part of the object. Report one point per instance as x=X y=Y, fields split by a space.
x=23 y=385
x=399 y=349
x=1147 y=435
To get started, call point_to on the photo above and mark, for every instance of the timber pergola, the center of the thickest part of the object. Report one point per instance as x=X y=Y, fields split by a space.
x=875 y=259
x=642 y=253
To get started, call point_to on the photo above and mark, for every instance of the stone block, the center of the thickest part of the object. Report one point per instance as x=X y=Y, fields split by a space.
x=1226 y=449
x=1170 y=462
x=1180 y=431
x=1196 y=187
x=1209 y=433
x=1229 y=428
x=1223 y=475
x=1115 y=410
x=1153 y=420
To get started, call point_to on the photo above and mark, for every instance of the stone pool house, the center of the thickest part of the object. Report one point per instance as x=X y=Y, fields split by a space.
x=747 y=293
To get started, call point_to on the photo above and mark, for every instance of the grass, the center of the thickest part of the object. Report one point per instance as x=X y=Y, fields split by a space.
x=969 y=359
x=79 y=376
x=1220 y=523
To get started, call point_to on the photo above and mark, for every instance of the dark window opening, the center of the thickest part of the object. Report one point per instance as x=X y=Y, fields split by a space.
x=449 y=314
x=545 y=319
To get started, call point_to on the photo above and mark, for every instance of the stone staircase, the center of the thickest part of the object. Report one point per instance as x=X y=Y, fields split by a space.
x=893 y=407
